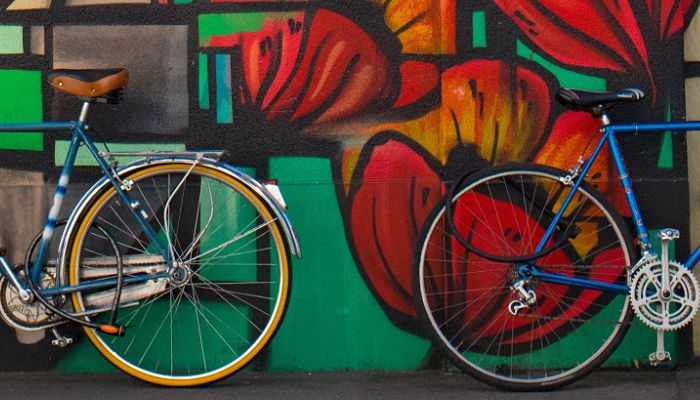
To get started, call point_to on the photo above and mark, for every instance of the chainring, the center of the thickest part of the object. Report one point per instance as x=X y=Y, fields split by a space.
x=30 y=316
x=649 y=305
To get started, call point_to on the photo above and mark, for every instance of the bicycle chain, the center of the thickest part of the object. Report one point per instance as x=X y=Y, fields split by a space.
x=633 y=321
x=562 y=266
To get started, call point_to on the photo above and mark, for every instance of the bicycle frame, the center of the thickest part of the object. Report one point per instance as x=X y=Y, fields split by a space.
x=269 y=193
x=78 y=138
x=609 y=131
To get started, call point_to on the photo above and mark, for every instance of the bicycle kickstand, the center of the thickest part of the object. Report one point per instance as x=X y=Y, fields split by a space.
x=60 y=340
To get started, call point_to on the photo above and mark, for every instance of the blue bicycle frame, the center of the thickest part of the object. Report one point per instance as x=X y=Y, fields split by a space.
x=79 y=138
x=609 y=138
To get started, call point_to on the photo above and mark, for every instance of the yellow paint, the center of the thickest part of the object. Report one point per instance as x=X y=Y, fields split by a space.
x=434 y=29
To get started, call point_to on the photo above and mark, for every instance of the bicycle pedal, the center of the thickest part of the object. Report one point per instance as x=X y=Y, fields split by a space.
x=657 y=358
x=668 y=234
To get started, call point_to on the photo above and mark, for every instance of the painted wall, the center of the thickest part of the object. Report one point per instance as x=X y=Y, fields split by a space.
x=363 y=110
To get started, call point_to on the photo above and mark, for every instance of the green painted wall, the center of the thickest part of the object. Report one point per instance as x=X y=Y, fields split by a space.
x=22 y=102
x=297 y=91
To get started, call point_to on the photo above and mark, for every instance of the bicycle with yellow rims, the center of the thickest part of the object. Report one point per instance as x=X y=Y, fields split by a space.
x=177 y=265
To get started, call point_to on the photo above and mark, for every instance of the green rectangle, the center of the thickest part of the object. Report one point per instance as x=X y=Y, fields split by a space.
x=84 y=157
x=20 y=101
x=203 y=81
x=227 y=24
x=11 y=39
x=666 y=153
x=22 y=141
x=478 y=29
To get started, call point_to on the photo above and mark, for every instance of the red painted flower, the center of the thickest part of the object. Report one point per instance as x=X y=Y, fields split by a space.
x=575 y=134
x=394 y=188
x=501 y=108
x=477 y=291
x=384 y=218
x=492 y=113
x=606 y=35
x=316 y=67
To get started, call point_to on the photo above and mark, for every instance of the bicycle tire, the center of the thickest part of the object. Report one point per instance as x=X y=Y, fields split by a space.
x=462 y=299
x=214 y=317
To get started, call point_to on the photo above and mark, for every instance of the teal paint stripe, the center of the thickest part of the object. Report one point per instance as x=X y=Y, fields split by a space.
x=566 y=78
x=478 y=29
x=224 y=113
x=85 y=158
x=665 y=160
x=11 y=39
x=203 y=82
x=666 y=152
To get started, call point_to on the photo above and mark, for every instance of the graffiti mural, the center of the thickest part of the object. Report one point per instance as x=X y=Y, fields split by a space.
x=364 y=110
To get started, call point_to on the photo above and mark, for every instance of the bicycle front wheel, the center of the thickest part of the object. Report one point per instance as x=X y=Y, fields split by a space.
x=462 y=297
x=219 y=305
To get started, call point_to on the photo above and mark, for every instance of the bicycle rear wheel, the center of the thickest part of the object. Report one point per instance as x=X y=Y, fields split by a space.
x=462 y=297
x=213 y=313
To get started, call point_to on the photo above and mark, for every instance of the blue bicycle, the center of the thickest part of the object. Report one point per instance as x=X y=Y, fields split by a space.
x=176 y=265
x=527 y=277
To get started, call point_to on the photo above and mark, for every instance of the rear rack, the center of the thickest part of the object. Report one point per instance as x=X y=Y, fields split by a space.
x=216 y=154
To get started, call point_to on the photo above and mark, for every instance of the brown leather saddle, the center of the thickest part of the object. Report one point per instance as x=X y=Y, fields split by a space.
x=89 y=83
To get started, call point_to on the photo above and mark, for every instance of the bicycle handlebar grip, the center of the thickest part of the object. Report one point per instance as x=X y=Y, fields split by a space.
x=118 y=330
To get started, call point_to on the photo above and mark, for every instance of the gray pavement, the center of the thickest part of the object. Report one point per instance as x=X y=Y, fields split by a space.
x=683 y=383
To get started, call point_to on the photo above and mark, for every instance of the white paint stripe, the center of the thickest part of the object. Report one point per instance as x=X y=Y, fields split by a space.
x=57 y=200
x=58 y=197
x=46 y=235
x=63 y=181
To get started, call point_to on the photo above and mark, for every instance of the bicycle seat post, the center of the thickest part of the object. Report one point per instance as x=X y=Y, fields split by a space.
x=84 y=111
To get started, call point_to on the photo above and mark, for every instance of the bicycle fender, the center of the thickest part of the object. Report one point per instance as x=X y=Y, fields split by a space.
x=259 y=189
x=273 y=198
